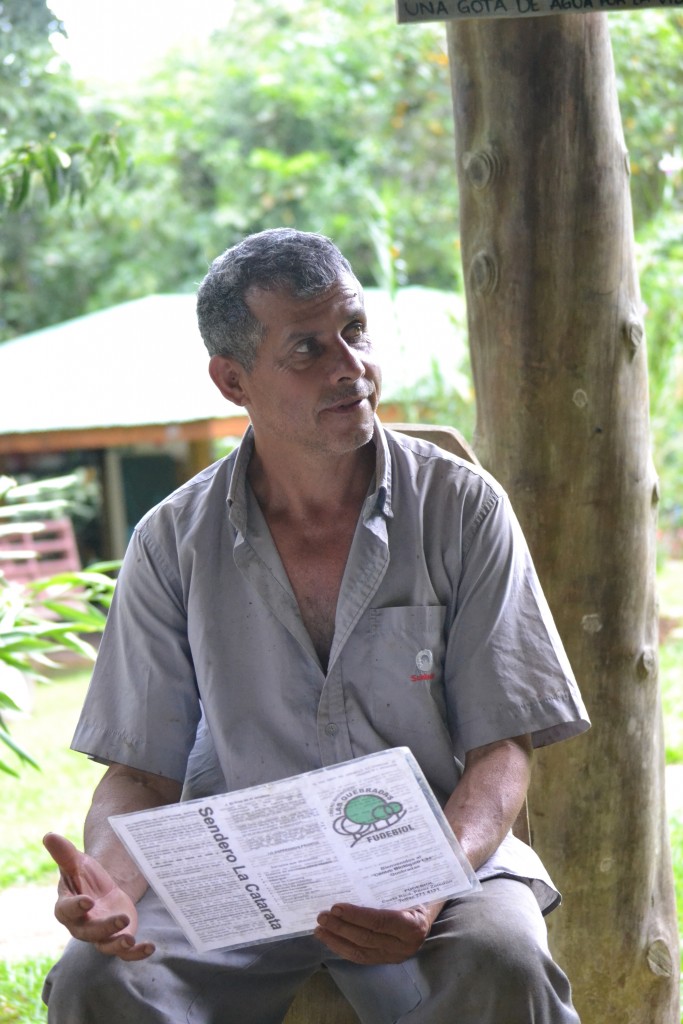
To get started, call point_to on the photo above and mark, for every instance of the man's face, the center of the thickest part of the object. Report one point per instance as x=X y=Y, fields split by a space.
x=314 y=382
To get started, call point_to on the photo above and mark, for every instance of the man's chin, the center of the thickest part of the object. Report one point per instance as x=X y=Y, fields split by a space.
x=355 y=436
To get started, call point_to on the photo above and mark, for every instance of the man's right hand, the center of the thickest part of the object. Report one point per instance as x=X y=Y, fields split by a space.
x=91 y=905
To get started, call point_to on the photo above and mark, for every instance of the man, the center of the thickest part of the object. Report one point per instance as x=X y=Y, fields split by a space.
x=288 y=593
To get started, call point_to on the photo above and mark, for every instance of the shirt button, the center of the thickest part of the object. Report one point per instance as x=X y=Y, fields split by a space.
x=331 y=729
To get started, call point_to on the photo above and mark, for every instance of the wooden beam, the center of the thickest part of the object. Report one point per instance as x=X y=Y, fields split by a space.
x=120 y=437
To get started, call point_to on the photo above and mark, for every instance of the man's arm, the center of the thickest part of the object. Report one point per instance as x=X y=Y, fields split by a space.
x=98 y=889
x=481 y=811
x=484 y=805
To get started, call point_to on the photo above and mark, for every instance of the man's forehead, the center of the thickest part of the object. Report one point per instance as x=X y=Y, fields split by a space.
x=282 y=306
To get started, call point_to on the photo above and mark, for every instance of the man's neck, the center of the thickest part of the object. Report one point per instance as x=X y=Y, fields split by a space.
x=316 y=486
x=312 y=512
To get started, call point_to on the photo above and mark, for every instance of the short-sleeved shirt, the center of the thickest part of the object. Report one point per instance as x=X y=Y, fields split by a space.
x=443 y=639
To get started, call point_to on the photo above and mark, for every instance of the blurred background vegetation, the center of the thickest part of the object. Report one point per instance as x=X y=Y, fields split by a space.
x=319 y=114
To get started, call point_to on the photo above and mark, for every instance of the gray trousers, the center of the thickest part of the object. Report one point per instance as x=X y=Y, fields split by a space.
x=486 y=961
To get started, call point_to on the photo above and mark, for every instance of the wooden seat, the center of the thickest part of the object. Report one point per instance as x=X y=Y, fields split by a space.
x=319 y=1001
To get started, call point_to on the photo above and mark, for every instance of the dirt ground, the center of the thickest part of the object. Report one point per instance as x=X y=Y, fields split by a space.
x=27 y=926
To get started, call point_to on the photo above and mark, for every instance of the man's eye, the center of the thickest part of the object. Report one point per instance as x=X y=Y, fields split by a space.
x=305 y=347
x=356 y=330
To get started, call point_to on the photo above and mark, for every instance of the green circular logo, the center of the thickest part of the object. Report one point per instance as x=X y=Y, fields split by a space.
x=369 y=808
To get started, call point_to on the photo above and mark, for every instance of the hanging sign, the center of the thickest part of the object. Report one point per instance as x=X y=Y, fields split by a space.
x=449 y=10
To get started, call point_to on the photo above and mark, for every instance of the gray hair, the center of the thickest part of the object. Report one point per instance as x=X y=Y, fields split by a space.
x=300 y=262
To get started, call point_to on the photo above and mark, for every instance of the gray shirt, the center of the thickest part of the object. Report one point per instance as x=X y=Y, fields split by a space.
x=443 y=640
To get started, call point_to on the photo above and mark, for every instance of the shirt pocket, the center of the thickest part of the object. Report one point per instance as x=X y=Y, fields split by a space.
x=394 y=694
x=410 y=639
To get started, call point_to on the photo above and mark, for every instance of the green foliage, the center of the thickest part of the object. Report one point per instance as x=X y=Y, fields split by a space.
x=36 y=93
x=50 y=149
x=309 y=114
x=39 y=109
x=648 y=48
x=20 y=986
x=430 y=400
x=670 y=593
x=660 y=260
x=670 y=669
x=75 y=172
x=28 y=637
x=43 y=618
x=648 y=51
x=318 y=115
x=76 y=494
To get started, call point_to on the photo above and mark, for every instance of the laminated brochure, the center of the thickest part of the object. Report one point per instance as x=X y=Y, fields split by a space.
x=260 y=864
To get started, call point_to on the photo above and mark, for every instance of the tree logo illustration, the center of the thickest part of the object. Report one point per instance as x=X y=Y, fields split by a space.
x=366 y=814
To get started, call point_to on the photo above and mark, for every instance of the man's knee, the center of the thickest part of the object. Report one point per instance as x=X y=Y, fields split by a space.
x=494 y=947
x=508 y=959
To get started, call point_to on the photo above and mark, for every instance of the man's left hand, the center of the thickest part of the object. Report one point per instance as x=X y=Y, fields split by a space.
x=367 y=936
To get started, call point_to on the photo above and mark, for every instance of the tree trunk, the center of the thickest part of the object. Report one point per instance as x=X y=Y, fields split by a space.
x=561 y=379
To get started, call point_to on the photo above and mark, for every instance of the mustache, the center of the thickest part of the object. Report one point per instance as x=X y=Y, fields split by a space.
x=352 y=393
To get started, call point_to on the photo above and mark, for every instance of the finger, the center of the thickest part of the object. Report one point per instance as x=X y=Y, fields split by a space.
x=126 y=948
x=96 y=930
x=360 y=954
x=369 y=918
x=364 y=924
x=62 y=851
x=67 y=858
x=341 y=930
x=71 y=909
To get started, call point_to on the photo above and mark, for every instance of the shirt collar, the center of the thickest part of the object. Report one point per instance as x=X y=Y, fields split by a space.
x=378 y=501
x=237 y=490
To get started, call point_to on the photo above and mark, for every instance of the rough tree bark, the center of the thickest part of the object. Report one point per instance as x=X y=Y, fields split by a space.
x=560 y=372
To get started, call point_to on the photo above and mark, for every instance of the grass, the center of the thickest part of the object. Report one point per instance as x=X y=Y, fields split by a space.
x=20 y=987
x=58 y=796
x=55 y=798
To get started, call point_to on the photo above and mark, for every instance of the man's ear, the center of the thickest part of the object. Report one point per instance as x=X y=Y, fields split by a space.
x=229 y=377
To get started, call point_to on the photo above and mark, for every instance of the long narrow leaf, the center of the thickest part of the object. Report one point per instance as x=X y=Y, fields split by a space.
x=19 y=751
x=24 y=643
x=112 y=566
x=37 y=631
x=27 y=668
x=74 y=643
x=13 y=661
x=84 y=578
x=7 y=703
x=90 y=617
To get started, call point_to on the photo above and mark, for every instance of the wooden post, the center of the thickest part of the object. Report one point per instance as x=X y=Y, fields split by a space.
x=561 y=380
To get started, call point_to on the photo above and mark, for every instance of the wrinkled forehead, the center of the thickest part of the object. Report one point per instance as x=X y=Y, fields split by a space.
x=283 y=304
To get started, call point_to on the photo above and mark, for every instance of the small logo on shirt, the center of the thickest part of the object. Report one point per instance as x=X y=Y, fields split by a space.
x=424 y=660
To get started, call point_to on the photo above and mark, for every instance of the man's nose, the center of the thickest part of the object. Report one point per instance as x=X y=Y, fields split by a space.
x=346 y=363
